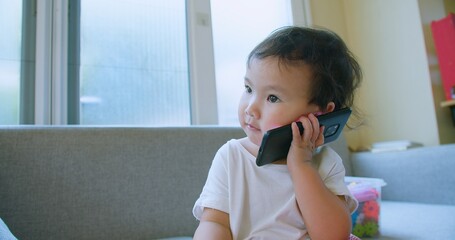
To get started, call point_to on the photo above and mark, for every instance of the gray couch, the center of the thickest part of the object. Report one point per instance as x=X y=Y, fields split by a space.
x=74 y=182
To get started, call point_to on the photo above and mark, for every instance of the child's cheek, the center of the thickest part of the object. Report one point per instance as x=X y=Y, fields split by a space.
x=273 y=126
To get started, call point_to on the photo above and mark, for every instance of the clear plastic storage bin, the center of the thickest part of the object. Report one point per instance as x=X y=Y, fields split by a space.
x=367 y=191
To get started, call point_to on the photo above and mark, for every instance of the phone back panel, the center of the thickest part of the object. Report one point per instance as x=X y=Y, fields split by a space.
x=276 y=142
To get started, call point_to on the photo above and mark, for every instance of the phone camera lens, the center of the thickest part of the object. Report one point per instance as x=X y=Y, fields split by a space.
x=331 y=130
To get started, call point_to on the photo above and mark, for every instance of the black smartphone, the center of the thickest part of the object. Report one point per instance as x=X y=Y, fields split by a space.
x=276 y=142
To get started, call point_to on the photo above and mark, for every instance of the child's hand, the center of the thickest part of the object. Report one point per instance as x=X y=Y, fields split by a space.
x=303 y=146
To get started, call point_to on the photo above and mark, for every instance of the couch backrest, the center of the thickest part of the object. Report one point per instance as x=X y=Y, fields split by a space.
x=424 y=174
x=105 y=182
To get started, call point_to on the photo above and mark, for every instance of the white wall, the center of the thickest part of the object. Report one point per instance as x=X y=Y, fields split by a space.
x=396 y=95
x=329 y=14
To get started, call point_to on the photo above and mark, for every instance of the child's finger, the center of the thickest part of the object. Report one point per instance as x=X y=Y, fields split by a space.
x=307 y=130
x=296 y=138
x=320 y=139
x=315 y=126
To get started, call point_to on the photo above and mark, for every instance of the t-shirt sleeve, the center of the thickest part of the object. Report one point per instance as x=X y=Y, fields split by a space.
x=332 y=172
x=215 y=193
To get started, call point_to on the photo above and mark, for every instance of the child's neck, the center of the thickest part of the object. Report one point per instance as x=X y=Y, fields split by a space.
x=250 y=146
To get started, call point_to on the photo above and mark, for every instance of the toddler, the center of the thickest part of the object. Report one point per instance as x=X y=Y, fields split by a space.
x=293 y=75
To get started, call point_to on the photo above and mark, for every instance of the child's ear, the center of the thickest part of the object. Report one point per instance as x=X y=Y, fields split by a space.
x=330 y=107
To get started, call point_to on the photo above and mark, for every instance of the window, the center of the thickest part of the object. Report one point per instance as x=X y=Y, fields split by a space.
x=133 y=63
x=139 y=62
x=235 y=33
x=10 y=60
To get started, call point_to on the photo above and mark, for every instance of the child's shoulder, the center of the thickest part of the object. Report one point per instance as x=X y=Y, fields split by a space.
x=231 y=144
x=235 y=149
x=234 y=142
x=327 y=154
x=328 y=160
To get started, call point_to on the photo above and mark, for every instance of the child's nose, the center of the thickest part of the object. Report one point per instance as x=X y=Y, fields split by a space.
x=252 y=109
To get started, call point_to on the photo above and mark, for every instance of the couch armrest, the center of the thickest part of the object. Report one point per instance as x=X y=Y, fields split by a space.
x=424 y=174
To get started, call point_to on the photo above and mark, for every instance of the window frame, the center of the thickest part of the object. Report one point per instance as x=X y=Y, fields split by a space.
x=27 y=74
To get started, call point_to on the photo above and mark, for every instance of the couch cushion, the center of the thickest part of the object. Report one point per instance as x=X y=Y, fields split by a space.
x=405 y=220
x=5 y=233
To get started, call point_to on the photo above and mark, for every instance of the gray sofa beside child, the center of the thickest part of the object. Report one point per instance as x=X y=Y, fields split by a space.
x=74 y=182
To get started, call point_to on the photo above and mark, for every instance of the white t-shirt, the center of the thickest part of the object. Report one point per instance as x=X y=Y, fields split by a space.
x=261 y=201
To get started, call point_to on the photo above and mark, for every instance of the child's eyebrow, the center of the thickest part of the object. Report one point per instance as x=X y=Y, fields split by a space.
x=277 y=88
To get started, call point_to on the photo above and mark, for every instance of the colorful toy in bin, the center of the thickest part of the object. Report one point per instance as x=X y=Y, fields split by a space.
x=367 y=191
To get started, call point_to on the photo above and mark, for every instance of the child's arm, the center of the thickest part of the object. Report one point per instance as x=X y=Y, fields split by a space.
x=326 y=215
x=214 y=224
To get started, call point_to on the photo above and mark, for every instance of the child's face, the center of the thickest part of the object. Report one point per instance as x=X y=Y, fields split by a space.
x=275 y=95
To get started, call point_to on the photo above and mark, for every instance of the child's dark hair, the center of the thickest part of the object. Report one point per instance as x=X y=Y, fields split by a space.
x=336 y=73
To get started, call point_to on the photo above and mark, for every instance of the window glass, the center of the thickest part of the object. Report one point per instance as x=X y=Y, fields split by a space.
x=10 y=60
x=133 y=62
x=238 y=26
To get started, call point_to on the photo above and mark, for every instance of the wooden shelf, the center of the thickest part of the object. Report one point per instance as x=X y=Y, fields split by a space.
x=449 y=103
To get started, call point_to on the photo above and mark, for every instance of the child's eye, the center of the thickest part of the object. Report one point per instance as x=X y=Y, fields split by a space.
x=273 y=98
x=248 y=89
